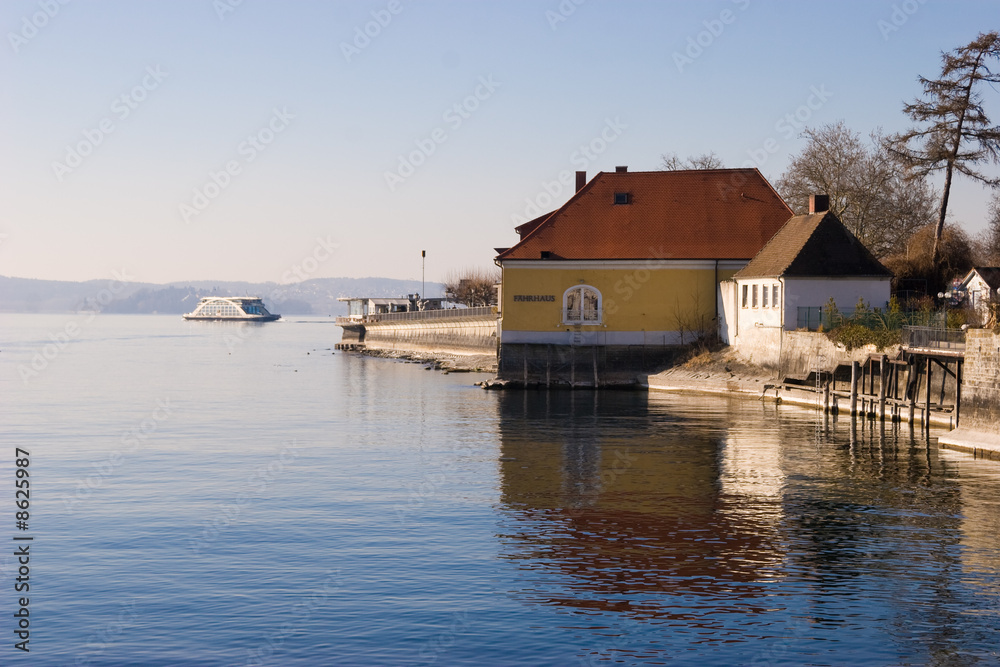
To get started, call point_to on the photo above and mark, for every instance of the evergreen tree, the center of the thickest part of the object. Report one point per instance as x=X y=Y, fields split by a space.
x=954 y=131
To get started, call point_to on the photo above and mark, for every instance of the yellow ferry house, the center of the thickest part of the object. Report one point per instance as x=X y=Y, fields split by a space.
x=632 y=261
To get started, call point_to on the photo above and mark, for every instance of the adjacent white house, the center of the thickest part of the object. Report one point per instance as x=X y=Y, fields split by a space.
x=810 y=260
x=979 y=286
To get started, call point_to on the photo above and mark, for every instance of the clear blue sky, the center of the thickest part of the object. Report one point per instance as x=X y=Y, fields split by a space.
x=162 y=94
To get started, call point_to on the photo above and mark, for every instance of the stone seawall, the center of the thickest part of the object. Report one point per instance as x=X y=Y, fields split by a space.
x=802 y=352
x=458 y=335
x=979 y=419
x=530 y=364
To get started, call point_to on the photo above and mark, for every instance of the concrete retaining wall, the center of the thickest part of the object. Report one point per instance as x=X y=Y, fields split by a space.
x=453 y=336
x=804 y=351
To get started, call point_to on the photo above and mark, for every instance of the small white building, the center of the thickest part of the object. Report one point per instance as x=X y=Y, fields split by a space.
x=980 y=286
x=810 y=260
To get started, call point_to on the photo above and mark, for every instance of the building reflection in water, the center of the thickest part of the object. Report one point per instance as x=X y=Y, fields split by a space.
x=720 y=513
x=628 y=498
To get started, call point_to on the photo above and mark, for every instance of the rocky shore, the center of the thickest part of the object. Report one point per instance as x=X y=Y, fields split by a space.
x=440 y=361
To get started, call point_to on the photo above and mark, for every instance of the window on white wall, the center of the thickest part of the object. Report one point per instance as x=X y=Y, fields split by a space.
x=774 y=298
x=746 y=290
x=582 y=305
x=754 y=291
x=764 y=294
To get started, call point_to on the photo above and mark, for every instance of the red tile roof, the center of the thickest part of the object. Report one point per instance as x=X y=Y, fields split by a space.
x=531 y=225
x=696 y=214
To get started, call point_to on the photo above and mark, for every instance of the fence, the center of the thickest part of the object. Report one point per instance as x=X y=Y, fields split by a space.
x=811 y=318
x=438 y=314
x=934 y=338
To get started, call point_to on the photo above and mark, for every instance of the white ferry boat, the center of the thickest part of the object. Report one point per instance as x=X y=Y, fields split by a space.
x=236 y=308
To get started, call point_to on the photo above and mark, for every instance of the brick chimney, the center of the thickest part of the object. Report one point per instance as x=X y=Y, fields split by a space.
x=819 y=203
x=621 y=170
x=581 y=180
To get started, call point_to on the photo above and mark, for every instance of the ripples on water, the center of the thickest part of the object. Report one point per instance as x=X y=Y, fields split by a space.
x=307 y=509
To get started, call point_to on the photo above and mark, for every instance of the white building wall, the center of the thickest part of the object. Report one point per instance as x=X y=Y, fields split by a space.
x=727 y=311
x=816 y=292
x=978 y=296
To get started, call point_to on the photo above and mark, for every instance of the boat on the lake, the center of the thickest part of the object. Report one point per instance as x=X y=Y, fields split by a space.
x=234 y=308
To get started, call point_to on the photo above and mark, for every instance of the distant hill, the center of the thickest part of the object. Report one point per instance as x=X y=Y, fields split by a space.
x=309 y=297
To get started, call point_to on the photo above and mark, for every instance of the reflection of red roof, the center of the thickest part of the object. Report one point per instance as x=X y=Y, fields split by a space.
x=696 y=214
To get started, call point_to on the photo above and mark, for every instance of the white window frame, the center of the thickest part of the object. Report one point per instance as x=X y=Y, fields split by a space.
x=579 y=319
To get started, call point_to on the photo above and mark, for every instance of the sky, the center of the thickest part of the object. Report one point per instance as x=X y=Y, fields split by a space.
x=266 y=140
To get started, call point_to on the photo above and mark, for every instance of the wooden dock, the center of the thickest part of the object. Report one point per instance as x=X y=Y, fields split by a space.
x=923 y=383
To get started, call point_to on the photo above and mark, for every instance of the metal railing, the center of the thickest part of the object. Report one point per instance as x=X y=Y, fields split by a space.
x=438 y=314
x=933 y=338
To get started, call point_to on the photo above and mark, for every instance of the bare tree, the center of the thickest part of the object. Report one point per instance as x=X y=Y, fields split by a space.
x=670 y=162
x=988 y=241
x=871 y=193
x=472 y=286
x=954 y=132
x=915 y=265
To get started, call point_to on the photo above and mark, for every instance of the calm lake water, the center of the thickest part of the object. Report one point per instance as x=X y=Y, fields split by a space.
x=211 y=494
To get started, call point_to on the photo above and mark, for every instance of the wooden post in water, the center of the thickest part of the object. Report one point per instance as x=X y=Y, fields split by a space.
x=958 y=390
x=927 y=400
x=883 y=378
x=594 y=348
x=855 y=372
x=911 y=390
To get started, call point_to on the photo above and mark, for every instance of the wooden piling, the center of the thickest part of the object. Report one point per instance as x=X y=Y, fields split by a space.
x=927 y=400
x=958 y=390
x=855 y=372
x=881 y=386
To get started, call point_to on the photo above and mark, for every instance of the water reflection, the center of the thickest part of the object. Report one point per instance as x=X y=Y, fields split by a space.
x=627 y=498
x=743 y=522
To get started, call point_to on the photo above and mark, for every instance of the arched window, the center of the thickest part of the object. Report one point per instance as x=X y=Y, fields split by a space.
x=581 y=305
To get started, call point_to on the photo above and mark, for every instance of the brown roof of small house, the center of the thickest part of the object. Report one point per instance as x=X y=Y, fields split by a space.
x=813 y=245
x=693 y=214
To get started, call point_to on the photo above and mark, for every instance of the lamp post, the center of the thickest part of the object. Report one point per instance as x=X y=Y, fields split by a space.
x=944 y=296
x=423 y=262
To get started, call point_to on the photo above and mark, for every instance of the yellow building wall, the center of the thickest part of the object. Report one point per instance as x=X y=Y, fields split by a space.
x=634 y=299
